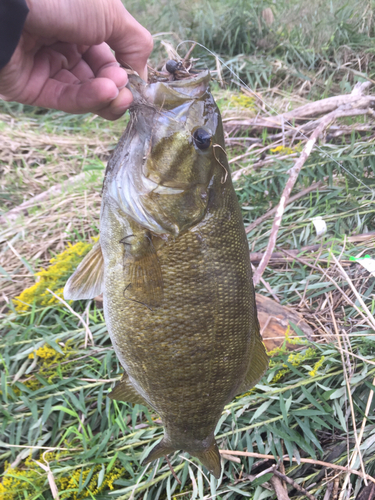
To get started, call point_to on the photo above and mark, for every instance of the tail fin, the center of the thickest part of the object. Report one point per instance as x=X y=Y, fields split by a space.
x=210 y=458
x=160 y=450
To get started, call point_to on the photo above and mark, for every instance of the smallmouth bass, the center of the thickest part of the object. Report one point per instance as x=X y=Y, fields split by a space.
x=174 y=267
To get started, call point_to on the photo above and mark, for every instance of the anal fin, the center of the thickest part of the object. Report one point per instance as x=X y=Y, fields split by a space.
x=258 y=365
x=126 y=392
x=88 y=279
x=160 y=450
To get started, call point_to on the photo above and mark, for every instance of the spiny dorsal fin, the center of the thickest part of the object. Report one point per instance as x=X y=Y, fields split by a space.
x=125 y=391
x=258 y=365
x=88 y=279
x=210 y=458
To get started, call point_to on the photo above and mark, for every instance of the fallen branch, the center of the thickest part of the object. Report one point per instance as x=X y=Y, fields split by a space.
x=286 y=458
x=308 y=111
x=293 y=175
x=277 y=485
x=293 y=483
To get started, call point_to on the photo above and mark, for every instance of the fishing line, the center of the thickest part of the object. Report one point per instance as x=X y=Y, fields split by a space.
x=273 y=110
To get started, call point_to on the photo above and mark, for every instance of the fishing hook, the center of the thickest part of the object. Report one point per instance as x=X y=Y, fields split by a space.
x=219 y=162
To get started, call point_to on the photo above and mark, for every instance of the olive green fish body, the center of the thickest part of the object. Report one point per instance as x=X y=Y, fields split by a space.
x=178 y=295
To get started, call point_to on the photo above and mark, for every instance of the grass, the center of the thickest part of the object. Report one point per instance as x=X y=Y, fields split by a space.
x=57 y=425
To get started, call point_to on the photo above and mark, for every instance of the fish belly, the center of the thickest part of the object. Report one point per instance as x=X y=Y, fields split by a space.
x=189 y=356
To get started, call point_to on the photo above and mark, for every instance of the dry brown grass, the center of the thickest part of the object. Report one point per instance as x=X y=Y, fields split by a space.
x=33 y=159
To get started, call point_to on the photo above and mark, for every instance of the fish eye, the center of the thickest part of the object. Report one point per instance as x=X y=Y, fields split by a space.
x=202 y=138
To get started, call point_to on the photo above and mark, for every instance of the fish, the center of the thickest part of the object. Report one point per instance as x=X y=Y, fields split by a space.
x=173 y=265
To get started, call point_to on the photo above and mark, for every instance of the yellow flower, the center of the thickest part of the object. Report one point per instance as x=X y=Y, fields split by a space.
x=92 y=487
x=53 y=278
x=317 y=365
x=242 y=101
x=282 y=149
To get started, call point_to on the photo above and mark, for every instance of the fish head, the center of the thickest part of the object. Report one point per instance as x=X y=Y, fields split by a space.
x=170 y=156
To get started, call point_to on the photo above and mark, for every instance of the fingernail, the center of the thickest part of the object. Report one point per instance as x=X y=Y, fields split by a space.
x=116 y=96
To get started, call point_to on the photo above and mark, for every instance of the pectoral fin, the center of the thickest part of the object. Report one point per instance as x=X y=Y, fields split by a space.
x=258 y=365
x=125 y=391
x=87 y=281
x=143 y=271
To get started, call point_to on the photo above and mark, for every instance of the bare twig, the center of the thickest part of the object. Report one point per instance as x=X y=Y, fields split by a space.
x=286 y=458
x=348 y=390
x=85 y=325
x=293 y=483
x=293 y=174
x=281 y=492
x=172 y=470
x=349 y=301
x=347 y=110
x=358 y=296
x=311 y=110
x=327 y=495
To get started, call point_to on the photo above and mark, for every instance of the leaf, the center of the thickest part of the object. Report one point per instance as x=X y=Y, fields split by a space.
x=261 y=410
x=260 y=480
x=101 y=476
x=240 y=491
x=65 y=410
x=283 y=409
x=340 y=415
x=312 y=400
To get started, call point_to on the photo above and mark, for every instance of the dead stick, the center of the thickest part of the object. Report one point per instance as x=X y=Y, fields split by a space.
x=285 y=458
x=292 y=199
x=293 y=483
x=281 y=492
x=312 y=109
x=172 y=470
x=293 y=174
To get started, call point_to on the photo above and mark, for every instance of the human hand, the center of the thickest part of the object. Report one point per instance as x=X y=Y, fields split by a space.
x=63 y=60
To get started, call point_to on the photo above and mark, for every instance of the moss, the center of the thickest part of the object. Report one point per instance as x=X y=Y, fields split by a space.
x=53 y=278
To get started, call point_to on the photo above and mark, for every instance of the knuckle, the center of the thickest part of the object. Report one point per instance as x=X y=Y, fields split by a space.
x=147 y=42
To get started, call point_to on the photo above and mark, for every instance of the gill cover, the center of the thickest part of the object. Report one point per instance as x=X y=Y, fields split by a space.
x=158 y=174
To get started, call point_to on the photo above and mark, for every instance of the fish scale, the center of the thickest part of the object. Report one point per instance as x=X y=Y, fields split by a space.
x=178 y=296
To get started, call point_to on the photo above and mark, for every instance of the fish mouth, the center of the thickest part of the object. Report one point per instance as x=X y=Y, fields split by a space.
x=168 y=95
